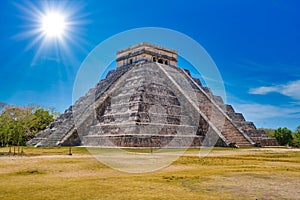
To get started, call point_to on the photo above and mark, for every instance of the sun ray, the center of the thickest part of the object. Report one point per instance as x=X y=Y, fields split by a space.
x=51 y=25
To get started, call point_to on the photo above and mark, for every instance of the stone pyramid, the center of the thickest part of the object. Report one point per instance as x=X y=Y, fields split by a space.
x=147 y=101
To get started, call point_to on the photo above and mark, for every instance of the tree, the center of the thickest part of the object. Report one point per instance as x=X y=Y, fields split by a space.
x=38 y=121
x=284 y=136
x=20 y=124
x=298 y=129
x=296 y=137
x=270 y=132
x=12 y=125
x=54 y=113
x=2 y=105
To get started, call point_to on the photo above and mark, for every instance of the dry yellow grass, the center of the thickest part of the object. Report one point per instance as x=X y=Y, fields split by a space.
x=255 y=173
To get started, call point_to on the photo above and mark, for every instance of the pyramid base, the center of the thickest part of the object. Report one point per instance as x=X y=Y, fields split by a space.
x=166 y=141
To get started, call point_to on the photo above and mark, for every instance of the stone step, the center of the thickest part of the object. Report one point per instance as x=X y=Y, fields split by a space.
x=142 y=128
x=163 y=141
x=236 y=117
x=146 y=117
x=146 y=67
x=234 y=136
x=140 y=106
x=148 y=98
x=136 y=81
x=148 y=88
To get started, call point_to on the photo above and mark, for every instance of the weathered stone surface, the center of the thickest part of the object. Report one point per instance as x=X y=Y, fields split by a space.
x=149 y=102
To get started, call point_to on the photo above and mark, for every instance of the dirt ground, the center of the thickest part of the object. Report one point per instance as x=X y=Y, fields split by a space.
x=252 y=173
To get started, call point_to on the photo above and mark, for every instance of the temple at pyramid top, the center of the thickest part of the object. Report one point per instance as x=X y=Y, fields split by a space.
x=146 y=52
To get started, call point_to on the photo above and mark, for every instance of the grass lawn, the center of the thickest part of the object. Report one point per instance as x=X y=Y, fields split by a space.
x=252 y=173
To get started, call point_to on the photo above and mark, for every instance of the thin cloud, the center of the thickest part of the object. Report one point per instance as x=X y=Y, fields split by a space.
x=291 y=89
x=263 y=90
x=260 y=111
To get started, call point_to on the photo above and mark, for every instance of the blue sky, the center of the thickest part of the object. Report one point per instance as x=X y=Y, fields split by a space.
x=255 y=45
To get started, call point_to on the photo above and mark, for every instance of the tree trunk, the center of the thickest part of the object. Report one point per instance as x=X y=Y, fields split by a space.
x=70 y=150
x=18 y=147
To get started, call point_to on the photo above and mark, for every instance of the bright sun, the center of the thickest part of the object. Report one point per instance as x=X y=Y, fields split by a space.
x=53 y=24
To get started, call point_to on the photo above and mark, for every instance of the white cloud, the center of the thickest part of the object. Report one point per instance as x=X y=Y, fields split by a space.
x=291 y=89
x=263 y=90
x=260 y=111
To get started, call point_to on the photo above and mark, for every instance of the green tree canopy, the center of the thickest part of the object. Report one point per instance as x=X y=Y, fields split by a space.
x=298 y=129
x=269 y=131
x=20 y=124
x=284 y=136
x=296 y=136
